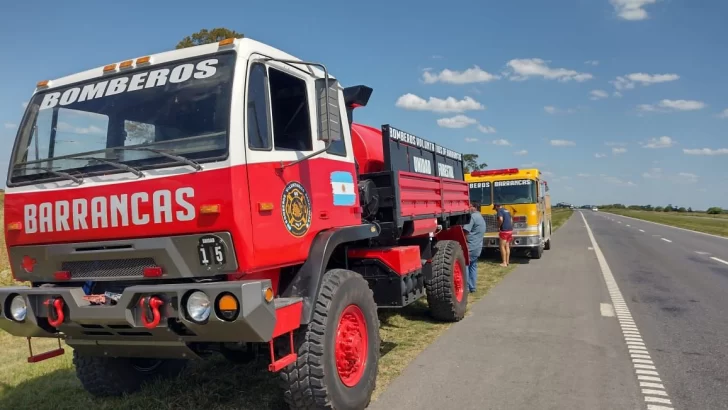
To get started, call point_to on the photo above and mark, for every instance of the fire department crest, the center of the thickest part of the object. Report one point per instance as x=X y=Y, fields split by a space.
x=296 y=208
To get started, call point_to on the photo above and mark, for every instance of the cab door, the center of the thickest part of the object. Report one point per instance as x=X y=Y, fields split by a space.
x=290 y=204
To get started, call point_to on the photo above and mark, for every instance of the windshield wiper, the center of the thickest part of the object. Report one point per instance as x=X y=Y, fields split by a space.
x=180 y=158
x=119 y=165
x=59 y=173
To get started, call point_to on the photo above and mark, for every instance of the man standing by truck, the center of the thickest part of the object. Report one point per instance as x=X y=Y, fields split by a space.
x=476 y=230
x=505 y=232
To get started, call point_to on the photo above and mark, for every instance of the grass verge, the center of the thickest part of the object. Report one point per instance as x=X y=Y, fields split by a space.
x=559 y=216
x=715 y=226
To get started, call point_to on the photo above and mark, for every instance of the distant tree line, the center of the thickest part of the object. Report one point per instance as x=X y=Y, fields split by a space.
x=714 y=210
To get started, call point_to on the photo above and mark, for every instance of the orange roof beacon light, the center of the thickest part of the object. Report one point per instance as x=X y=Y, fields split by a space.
x=42 y=84
x=226 y=42
x=143 y=60
x=110 y=67
x=126 y=64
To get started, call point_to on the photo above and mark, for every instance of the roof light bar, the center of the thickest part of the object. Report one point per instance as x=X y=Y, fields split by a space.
x=506 y=171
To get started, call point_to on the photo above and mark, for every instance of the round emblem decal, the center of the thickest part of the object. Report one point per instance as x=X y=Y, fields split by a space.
x=296 y=209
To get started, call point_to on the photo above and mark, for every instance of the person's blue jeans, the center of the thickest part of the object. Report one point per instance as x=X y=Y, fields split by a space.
x=472 y=273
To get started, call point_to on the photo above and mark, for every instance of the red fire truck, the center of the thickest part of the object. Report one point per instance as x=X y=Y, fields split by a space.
x=219 y=199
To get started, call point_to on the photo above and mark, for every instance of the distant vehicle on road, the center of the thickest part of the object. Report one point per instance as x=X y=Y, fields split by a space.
x=525 y=194
x=595 y=209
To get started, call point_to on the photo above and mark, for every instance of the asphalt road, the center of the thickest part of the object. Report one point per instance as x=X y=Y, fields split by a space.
x=545 y=338
x=675 y=283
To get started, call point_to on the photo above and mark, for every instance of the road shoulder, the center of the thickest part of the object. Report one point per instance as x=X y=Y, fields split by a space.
x=537 y=340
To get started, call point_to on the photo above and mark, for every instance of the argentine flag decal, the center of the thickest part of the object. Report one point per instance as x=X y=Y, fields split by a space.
x=342 y=185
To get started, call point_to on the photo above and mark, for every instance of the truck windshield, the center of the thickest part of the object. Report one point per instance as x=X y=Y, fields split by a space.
x=180 y=108
x=518 y=191
x=480 y=192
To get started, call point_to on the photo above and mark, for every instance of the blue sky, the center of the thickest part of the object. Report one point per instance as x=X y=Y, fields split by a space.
x=616 y=100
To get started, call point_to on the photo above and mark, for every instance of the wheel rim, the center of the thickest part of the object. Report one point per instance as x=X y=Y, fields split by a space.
x=351 y=346
x=457 y=281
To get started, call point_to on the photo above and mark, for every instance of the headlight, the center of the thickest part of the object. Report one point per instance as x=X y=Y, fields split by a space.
x=18 y=308
x=198 y=306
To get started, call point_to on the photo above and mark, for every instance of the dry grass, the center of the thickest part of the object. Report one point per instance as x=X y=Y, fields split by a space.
x=5 y=277
x=712 y=224
x=559 y=216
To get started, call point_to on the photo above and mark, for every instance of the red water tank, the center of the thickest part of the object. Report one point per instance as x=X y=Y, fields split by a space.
x=368 y=148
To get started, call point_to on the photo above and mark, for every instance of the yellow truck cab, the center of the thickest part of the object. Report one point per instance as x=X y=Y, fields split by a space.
x=525 y=194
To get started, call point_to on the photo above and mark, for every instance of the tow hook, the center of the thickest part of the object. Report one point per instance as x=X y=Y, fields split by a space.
x=55 y=311
x=150 y=311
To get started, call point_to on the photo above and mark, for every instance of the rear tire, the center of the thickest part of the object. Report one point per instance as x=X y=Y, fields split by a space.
x=338 y=352
x=115 y=376
x=547 y=245
x=447 y=295
x=536 y=252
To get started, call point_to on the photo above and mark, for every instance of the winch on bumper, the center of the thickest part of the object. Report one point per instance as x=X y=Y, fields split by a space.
x=148 y=320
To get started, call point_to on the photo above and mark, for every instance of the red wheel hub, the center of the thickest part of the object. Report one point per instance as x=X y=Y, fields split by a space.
x=351 y=345
x=457 y=281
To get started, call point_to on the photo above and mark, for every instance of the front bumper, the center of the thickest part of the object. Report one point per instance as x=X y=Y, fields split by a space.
x=118 y=330
x=492 y=241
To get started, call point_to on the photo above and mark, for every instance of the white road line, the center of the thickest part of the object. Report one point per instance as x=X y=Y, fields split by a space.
x=641 y=361
x=656 y=407
x=718 y=260
x=606 y=309
x=674 y=227
x=666 y=240
x=628 y=225
x=702 y=253
x=650 y=378
x=642 y=230
x=652 y=385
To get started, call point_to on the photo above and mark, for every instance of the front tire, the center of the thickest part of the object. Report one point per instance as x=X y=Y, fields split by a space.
x=338 y=352
x=115 y=376
x=446 y=290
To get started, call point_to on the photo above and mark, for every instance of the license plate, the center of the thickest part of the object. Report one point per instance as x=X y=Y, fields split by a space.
x=211 y=251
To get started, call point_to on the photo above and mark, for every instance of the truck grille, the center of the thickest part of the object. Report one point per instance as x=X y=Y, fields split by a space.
x=111 y=268
x=491 y=223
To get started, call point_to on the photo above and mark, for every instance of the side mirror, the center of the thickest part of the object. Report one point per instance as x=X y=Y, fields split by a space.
x=328 y=110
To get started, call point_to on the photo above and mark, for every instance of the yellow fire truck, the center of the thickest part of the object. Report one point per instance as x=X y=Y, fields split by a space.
x=525 y=194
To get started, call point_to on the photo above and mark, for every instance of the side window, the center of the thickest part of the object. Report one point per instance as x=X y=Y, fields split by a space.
x=291 y=113
x=258 y=127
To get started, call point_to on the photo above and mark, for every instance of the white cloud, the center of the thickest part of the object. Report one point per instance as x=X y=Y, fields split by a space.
x=554 y=110
x=598 y=95
x=562 y=143
x=471 y=140
x=672 y=105
x=723 y=114
x=469 y=76
x=706 y=151
x=583 y=175
x=632 y=10
x=24 y=105
x=10 y=126
x=618 y=150
x=531 y=165
x=654 y=173
x=458 y=121
x=615 y=144
x=450 y=104
x=547 y=173
x=598 y=155
x=617 y=181
x=591 y=62
x=521 y=152
x=661 y=142
x=630 y=81
x=686 y=178
x=501 y=142
x=682 y=105
x=486 y=129
x=523 y=69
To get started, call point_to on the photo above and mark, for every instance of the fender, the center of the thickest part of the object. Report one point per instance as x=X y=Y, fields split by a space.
x=456 y=233
x=307 y=282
